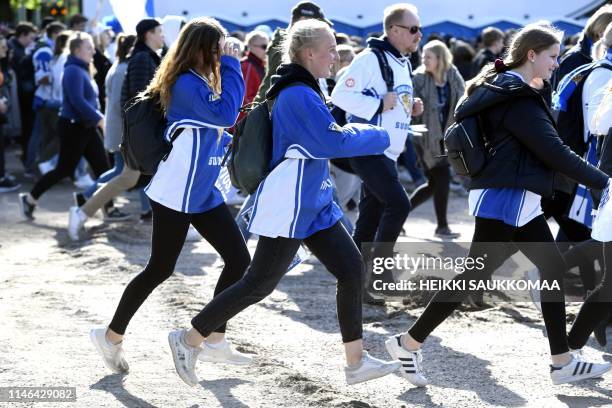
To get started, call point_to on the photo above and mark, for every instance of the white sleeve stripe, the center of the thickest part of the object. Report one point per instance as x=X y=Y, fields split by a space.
x=300 y=150
x=188 y=123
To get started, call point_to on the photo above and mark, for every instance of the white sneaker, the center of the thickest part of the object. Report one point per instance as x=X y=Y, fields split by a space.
x=76 y=220
x=84 y=182
x=224 y=353
x=46 y=166
x=578 y=369
x=184 y=356
x=112 y=354
x=411 y=361
x=369 y=369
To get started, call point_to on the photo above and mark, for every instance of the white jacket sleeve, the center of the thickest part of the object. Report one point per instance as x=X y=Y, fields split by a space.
x=597 y=101
x=353 y=92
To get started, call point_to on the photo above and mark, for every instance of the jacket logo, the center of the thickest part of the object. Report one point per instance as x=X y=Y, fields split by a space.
x=404 y=93
x=213 y=97
x=334 y=127
x=215 y=160
x=326 y=184
x=349 y=83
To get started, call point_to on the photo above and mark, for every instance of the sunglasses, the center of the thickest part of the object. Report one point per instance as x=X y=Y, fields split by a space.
x=262 y=46
x=413 y=30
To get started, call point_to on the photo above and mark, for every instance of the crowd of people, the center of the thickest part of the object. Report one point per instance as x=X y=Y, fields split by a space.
x=358 y=142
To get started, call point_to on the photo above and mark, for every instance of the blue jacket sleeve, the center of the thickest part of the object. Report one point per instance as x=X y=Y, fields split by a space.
x=73 y=84
x=313 y=133
x=222 y=110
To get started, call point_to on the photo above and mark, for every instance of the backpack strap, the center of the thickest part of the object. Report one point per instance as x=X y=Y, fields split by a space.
x=176 y=134
x=385 y=69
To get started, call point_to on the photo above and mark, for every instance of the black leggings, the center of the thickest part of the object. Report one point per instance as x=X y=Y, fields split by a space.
x=596 y=307
x=438 y=181
x=333 y=247
x=217 y=226
x=534 y=241
x=76 y=141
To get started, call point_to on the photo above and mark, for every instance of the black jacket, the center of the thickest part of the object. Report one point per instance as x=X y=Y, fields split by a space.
x=140 y=71
x=481 y=59
x=519 y=124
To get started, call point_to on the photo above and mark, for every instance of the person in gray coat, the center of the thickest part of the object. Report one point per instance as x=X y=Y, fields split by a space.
x=440 y=85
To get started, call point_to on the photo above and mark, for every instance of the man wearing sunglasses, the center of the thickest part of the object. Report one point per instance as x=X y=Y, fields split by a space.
x=362 y=92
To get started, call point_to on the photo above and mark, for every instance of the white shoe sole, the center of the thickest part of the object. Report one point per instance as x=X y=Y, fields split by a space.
x=209 y=359
x=98 y=347
x=385 y=370
x=186 y=380
x=572 y=379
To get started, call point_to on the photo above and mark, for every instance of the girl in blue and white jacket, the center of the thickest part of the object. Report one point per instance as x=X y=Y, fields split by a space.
x=294 y=203
x=200 y=87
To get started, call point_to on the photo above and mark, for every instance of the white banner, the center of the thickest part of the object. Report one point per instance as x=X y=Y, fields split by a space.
x=129 y=13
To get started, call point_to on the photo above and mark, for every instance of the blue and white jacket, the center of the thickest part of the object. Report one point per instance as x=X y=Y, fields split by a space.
x=42 y=69
x=295 y=199
x=185 y=181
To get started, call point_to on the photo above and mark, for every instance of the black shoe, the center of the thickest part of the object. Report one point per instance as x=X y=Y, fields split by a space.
x=446 y=233
x=114 y=214
x=7 y=185
x=146 y=217
x=27 y=209
x=79 y=199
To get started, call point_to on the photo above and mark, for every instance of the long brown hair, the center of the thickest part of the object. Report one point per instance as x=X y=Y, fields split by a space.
x=125 y=43
x=198 y=42
x=537 y=37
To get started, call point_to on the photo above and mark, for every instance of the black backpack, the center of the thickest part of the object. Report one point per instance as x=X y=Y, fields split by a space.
x=570 y=123
x=251 y=149
x=143 y=145
x=467 y=148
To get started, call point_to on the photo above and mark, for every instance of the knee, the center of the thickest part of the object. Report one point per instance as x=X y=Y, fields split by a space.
x=400 y=204
x=239 y=260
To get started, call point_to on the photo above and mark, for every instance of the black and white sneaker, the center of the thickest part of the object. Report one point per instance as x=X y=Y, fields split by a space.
x=411 y=361
x=27 y=209
x=578 y=369
x=7 y=185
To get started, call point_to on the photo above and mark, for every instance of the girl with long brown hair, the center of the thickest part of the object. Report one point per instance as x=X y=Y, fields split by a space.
x=200 y=88
x=505 y=197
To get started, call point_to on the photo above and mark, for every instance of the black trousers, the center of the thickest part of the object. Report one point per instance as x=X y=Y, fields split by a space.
x=333 y=247
x=536 y=242
x=596 y=307
x=384 y=204
x=217 y=226
x=76 y=141
x=438 y=185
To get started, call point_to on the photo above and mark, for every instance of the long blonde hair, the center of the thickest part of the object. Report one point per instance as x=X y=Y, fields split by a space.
x=444 y=56
x=536 y=37
x=198 y=42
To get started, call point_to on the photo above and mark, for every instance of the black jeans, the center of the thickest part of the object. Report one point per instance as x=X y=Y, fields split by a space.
x=534 y=240
x=596 y=307
x=333 y=247
x=438 y=181
x=217 y=226
x=76 y=141
x=384 y=204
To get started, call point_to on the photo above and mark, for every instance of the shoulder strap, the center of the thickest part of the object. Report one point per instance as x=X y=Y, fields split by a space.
x=385 y=69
